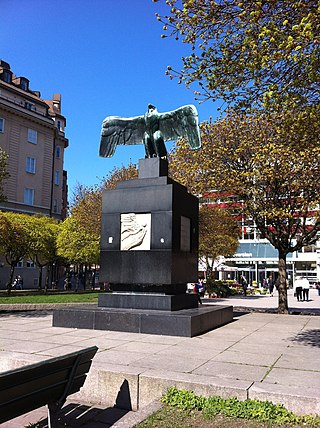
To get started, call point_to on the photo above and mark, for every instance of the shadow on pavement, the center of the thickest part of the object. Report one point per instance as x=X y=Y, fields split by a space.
x=235 y=297
x=308 y=337
x=76 y=415
x=237 y=314
x=26 y=314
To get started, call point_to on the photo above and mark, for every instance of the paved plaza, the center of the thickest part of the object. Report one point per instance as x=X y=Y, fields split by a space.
x=260 y=355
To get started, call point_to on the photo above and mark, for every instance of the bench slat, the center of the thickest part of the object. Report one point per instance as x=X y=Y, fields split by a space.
x=47 y=381
x=28 y=403
x=32 y=371
x=30 y=387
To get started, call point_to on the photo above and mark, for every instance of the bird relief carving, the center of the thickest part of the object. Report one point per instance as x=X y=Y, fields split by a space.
x=135 y=231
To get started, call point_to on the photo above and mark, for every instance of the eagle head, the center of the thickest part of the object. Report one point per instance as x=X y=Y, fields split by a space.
x=151 y=108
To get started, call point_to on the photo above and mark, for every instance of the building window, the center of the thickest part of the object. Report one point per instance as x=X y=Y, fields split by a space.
x=24 y=85
x=7 y=76
x=19 y=264
x=29 y=106
x=56 y=178
x=58 y=152
x=30 y=264
x=29 y=196
x=55 y=206
x=1 y=125
x=32 y=136
x=30 y=165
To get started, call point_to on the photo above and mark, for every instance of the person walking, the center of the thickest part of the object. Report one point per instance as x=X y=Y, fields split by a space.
x=196 y=291
x=270 y=285
x=305 y=289
x=297 y=288
x=20 y=282
x=244 y=285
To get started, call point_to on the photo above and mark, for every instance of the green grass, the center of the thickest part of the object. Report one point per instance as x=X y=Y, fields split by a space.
x=176 y=418
x=182 y=408
x=22 y=298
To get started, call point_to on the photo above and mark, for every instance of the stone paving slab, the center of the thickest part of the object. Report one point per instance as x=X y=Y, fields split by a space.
x=248 y=358
x=293 y=377
x=299 y=362
x=260 y=348
x=232 y=370
x=255 y=356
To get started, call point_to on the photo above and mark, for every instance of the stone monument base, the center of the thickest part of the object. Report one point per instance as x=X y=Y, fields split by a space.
x=151 y=301
x=185 y=322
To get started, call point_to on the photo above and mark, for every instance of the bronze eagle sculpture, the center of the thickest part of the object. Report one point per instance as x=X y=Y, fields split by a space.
x=152 y=129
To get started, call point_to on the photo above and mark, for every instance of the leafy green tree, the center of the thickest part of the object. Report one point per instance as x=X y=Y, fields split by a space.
x=117 y=174
x=218 y=235
x=3 y=172
x=79 y=238
x=43 y=232
x=272 y=164
x=78 y=193
x=87 y=210
x=14 y=241
x=248 y=53
x=77 y=245
x=87 y=201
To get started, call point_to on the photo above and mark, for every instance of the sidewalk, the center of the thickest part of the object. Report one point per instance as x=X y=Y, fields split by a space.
x=260 y=355
x=267 y=303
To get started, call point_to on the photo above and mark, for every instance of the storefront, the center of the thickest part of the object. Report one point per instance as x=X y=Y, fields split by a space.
x=257 y=261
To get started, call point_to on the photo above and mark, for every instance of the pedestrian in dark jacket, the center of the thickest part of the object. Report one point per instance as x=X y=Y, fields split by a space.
x=244 y=285
x=270 y=285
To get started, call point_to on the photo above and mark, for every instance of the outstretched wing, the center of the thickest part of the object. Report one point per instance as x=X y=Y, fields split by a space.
x=120 y=130
x=182 y=122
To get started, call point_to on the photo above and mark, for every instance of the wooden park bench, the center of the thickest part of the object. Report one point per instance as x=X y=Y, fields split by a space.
x=48 y=383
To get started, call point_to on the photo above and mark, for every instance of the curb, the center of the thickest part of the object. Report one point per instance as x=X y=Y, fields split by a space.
x=37 y=306
x=134 y=418
x=304 y=311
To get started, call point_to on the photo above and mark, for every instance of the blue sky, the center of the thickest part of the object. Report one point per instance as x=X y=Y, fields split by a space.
x=105 y=57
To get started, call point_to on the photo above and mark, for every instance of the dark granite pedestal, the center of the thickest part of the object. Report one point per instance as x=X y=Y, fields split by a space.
x=149 y=301
x=185 y=322
x=149 y=252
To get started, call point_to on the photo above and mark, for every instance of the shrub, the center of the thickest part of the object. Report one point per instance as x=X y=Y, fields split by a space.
x=263 y=411
x=185 y=400
x=218 y=288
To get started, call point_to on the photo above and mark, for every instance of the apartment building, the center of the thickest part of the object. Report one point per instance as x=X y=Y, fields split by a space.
x=32 y=133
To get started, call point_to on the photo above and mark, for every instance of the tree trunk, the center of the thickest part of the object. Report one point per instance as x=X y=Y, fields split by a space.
x=209 y=269
x=40 y=278
x=85 y=277
x=9 y=285
x=93 y=278
x=47 y=278
x=78 y=277
x=282 y=284
x=209 y=273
